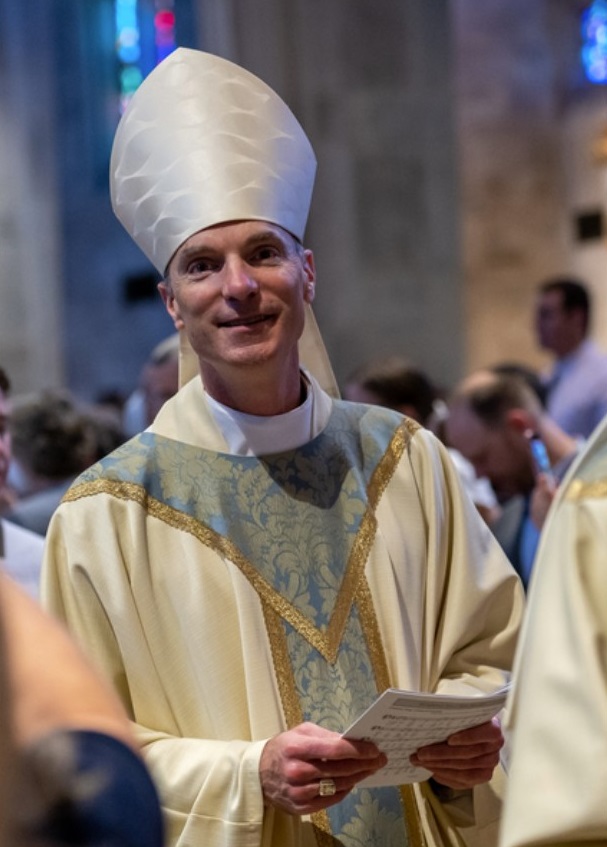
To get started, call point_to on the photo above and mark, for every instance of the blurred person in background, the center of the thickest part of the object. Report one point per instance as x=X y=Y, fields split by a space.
x=70 y=773
x=159 y=381
x=492 y=419
x=53 y=440
x=576 y=385
x=21 y=549
x=392 y=381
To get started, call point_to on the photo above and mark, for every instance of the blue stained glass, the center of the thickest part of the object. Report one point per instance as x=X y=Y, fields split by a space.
x=143 y=39
x=594 y=49
x=128 y=36
x=126 y=14
x=129 y=53
x=131 y=79
x=163 y=50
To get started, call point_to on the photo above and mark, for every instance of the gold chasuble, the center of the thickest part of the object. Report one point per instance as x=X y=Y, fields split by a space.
x=286 y=596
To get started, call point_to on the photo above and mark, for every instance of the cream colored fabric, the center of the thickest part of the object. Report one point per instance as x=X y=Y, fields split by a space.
x=180 y=629
x=558 y=711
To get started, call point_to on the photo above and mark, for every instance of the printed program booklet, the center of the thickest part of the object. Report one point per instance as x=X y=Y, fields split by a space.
x=400 y=722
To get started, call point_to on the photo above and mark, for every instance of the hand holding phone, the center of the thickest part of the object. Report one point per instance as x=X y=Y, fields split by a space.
x=539 y=454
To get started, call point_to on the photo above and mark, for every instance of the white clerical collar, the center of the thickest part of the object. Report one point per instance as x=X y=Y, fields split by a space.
x=256 y=435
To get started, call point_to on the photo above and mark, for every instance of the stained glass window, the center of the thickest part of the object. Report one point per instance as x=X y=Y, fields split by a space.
x=594 y=38
x=134 y=60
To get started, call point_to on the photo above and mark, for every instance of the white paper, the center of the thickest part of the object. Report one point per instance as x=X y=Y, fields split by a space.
x=400 y=722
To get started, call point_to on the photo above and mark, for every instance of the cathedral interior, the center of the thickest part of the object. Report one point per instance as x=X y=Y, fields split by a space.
x=462 y=159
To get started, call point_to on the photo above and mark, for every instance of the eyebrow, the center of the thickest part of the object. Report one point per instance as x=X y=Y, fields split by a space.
x=268 y=235
x=252 y=241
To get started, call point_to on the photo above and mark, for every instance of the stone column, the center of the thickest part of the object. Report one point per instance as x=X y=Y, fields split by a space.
x=30 y=276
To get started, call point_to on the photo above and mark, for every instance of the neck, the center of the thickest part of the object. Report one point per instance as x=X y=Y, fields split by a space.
x=253 y=394
x=571 y=348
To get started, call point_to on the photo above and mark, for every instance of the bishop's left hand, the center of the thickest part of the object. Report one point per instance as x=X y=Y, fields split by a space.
x=466 y=758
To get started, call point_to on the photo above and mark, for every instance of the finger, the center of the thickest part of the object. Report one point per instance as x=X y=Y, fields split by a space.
x=483 y=733
x=487 y=760
x=311 y=742
x=463 y=779
x=444 y=753
x=343 y=784
x=349 y=767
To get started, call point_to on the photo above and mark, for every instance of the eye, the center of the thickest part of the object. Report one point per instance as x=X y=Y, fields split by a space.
x=266 y=254
x=202 y=266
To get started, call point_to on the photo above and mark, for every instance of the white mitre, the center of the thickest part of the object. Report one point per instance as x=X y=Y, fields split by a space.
x=205 y=142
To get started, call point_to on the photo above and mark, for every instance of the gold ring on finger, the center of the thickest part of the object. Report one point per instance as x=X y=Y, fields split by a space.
x=327 y=787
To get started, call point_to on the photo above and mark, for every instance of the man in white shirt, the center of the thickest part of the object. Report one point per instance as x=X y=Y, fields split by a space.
x=577 y=384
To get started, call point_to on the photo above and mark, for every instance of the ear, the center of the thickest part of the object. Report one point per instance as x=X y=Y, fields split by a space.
x=519 y=421
x=168 y=298
x=310 y=276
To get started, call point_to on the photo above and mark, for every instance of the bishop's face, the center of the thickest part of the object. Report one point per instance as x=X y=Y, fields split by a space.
x=239 y=291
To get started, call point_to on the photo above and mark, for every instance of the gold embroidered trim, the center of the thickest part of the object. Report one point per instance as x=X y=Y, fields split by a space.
x=372 y=635
x=386 y=467
x=412 y=817
x=322 y=830
x=580 y=490
x=370 y=627
x=365 y=537
x=368 y=618
x=122 y=490
x=276 y=607
x=283 y=667
x=326 y=643
x=211 y=539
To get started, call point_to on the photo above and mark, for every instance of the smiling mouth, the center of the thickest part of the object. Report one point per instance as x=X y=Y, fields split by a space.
x=246 y=321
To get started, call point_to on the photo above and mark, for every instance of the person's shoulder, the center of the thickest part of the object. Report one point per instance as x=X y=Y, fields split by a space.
x=589 y=354
x=369 y=419
x=34 y=511
x=23 y=553
x=120 y=806
x=127 y=462
x=14 y=534
x=368 y=413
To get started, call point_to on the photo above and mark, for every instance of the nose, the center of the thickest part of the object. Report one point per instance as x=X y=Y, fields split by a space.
x=238 y=280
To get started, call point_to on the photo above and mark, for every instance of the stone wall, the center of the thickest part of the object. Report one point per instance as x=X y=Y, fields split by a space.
x=525 y=122
x=453 y=142
x=31 y=293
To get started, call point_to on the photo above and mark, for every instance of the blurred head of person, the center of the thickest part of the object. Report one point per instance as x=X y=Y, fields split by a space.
x=491 y=416
x=52 y=440
x=562 y=315
x=394 y=382
x=527 y=374
x=160 y=376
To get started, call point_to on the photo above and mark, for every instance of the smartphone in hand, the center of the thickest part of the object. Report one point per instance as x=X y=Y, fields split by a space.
x=539 y=455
